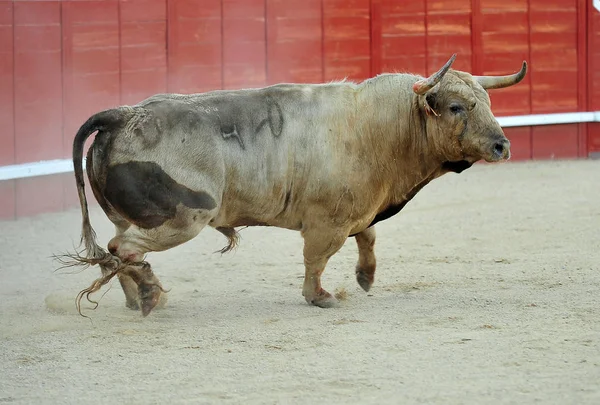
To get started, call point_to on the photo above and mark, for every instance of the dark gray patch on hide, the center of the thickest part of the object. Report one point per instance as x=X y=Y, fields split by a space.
x=147 y=196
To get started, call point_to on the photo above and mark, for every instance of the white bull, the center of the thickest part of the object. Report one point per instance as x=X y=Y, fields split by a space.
x=328 y=160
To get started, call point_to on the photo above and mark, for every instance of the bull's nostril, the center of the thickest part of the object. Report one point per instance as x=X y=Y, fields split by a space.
x=499 y=148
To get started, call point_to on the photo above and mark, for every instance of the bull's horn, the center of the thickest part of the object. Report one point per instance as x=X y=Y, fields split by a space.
x=498 y=82
x=423 y=86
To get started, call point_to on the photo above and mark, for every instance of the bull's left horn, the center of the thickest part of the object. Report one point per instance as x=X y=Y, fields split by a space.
x=423 y=86
x=498 y=82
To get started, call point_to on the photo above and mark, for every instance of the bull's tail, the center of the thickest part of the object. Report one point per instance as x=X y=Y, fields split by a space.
x=100 y=122
x=104 y=122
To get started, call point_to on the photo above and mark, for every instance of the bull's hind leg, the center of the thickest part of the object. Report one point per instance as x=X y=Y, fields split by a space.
x=142 y=288
x=365 y=268
x=319 y=246
x=130 y=288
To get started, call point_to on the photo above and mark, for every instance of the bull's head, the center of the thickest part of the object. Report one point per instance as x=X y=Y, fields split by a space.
x=460 y=120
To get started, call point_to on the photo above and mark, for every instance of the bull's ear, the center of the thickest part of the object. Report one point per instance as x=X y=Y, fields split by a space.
x=431 y=99
x=430 y=103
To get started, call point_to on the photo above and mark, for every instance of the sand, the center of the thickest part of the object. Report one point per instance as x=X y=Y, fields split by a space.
x=486 y=292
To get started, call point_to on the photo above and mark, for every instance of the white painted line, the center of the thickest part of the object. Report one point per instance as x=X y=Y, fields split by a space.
x=34 y=169
x=47 y=167
x=549 y=119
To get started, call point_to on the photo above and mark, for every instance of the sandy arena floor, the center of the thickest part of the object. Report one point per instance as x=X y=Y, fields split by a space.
x=487 y=292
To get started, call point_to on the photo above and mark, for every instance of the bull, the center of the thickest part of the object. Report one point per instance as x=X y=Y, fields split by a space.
x=329 y=160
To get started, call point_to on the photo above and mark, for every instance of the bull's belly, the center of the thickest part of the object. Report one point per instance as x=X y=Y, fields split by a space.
x=345 y=215
x=231 y=218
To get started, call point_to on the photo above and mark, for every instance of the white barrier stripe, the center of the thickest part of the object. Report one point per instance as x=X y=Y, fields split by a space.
x=35 y=169
x=47 y=167
x=549 y=119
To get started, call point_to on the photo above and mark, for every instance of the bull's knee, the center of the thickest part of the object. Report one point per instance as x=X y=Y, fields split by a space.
x=125 y=250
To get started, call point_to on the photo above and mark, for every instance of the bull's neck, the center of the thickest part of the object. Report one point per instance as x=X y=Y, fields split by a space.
x=402 y=154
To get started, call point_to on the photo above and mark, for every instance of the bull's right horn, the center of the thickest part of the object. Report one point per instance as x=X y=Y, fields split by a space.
x=498 y=82
x=423 y=86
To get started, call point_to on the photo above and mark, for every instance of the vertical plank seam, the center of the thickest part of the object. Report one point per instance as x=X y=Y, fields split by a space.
x=266 y=14
x=531 y=129
x=14 y=89
x=119 y=22
x=62 y=80
x=322 y=40
x=425 y=18
x=167 y=74
x=582 y=75
x=62 y=105
x=222 y=47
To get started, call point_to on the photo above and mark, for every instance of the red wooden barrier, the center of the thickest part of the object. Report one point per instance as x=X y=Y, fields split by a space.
x=61 y=61
x=593 y=69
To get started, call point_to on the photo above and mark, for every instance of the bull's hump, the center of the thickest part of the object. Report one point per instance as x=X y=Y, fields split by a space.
x=145 y=194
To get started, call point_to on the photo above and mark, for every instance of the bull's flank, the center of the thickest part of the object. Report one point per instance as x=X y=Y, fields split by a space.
x=328 y=160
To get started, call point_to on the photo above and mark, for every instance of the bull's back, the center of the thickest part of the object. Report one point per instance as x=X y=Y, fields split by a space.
x=259 y=154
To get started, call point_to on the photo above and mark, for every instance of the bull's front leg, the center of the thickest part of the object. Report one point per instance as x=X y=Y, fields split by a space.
x=365 y=268
x=319 y=246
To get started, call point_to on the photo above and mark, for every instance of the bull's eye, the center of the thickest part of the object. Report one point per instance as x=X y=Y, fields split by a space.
x=456 y=108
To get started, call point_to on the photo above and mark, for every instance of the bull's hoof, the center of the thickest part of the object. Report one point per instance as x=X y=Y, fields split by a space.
x=132 y=304
x=149 y=296
x=364 y=279
x=322 y=300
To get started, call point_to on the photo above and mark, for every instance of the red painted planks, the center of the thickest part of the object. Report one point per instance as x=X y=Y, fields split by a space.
x=294 y=42
x=593 y=78
x=194 y=45
x=37 y=195
x=593 y=136
x=504 y=45
x=7 y=200
x=403 y=42
x=143 y=10
x=582 y=72
x=346 y=40
x=7 y=135
x=449 y=33
x=244 y=44
x=376 y=37
x=90 y=62
x=594 y=57
x=555 y=141
x=520 y=142
x=37 y=81
x=143 y=49
x=554 y=55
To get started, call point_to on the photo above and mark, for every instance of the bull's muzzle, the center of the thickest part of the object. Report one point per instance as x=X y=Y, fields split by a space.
x=500 y=149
